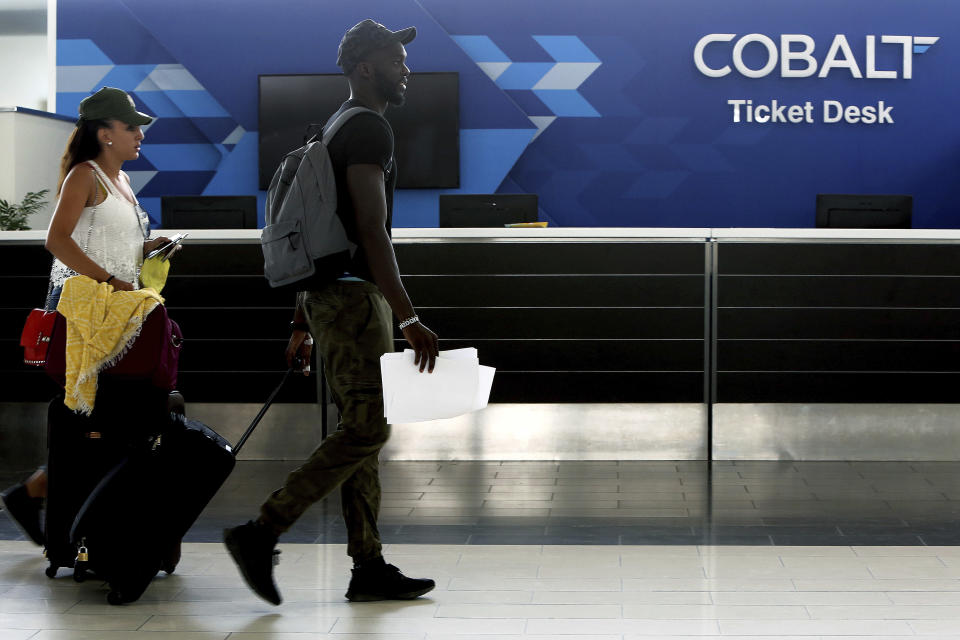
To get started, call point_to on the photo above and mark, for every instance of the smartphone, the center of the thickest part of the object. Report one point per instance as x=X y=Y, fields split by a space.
x=167 y=247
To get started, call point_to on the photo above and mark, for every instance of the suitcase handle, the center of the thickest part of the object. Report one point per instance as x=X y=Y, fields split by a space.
x=263 y=410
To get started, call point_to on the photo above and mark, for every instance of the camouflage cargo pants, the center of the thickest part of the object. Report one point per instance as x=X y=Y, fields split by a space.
x=351 y=323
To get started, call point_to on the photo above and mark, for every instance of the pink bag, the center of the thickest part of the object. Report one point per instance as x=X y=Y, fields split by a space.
x=154 y=355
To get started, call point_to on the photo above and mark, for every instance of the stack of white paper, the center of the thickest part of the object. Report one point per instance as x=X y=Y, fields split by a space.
x=458 y=385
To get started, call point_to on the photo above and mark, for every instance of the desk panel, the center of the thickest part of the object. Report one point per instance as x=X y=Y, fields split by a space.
x=808 y=322
x=565 y=321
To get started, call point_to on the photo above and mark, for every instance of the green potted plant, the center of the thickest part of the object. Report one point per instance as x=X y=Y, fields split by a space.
x=13 y=217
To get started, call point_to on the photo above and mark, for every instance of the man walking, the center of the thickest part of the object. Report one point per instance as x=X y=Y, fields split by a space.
x=348 y=310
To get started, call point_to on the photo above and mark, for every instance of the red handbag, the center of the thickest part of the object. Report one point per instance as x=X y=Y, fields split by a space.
x=35 y=338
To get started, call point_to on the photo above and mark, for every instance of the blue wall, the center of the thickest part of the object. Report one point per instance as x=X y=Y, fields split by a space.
x=597 y=107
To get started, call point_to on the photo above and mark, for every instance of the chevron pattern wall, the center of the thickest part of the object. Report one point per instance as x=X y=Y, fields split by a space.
x=188 y=142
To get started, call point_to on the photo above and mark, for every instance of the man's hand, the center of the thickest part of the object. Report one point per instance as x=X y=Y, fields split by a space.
x=425 y=345
x=299 y=346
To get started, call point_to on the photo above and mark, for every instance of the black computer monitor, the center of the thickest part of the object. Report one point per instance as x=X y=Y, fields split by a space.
x=487 y=210
x=426 y=129
x=849 y=211
x=208 y=212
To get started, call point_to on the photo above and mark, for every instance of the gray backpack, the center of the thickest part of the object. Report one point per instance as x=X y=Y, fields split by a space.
x=302 y=225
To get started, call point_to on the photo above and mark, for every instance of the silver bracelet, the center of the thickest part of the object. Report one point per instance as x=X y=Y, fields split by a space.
x=409 y=321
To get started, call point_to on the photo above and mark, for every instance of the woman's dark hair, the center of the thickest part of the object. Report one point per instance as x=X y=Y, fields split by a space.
x=83 y=145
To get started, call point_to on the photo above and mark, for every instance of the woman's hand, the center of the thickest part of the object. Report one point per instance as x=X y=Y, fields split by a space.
x=121 y=285
x=156 y=243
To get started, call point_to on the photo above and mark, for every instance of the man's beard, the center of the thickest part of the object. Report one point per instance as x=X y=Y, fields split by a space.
x=390 y=91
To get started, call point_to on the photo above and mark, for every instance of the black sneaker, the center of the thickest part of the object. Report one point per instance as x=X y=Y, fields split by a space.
x=252 y=547
x=24 y=511
x=385 y=582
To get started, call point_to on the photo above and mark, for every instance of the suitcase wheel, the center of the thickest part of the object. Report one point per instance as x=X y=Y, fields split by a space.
x=169 y=564
x=55 y=565
x=115 y=598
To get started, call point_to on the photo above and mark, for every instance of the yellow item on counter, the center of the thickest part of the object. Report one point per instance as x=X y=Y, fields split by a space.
x=153 y=273
x=526 y=225
x=102 y=324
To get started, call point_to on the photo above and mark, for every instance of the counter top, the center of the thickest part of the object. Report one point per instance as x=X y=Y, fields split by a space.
x=245 y=236
x=834 y=234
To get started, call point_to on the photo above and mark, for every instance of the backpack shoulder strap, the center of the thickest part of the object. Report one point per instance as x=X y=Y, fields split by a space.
x=333 y=125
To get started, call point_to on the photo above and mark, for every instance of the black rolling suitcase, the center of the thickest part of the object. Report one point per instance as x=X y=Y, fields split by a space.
x=80 y=453
x=83 y=450
x=145 y=505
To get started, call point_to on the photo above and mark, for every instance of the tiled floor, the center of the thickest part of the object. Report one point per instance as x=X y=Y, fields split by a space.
x=550 y=551
x=510 y=592
x=755 y=503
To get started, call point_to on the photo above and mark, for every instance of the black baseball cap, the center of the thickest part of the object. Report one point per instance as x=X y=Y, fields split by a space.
x=364 y=38
x=110 y=103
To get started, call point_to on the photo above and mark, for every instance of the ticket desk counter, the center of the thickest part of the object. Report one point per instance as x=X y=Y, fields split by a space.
x=608 y=343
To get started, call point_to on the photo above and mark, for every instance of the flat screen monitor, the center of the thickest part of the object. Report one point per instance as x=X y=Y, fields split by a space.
x=487 y=210
x=426 y=129
x=208 y=212
x=850 y=211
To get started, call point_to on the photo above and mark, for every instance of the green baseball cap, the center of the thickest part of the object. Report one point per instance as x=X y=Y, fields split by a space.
x=368 y=36
x=110 y=103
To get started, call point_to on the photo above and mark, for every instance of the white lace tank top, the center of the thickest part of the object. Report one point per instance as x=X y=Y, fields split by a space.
x=110 y=233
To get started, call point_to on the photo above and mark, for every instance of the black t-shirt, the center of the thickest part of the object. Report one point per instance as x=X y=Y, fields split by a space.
x=364 y=139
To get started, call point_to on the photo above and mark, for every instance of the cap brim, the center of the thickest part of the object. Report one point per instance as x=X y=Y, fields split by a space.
x=405 y=36
x=136 y=118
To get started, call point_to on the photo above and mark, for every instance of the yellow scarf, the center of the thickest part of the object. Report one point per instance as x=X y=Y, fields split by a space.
x=102 y=325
